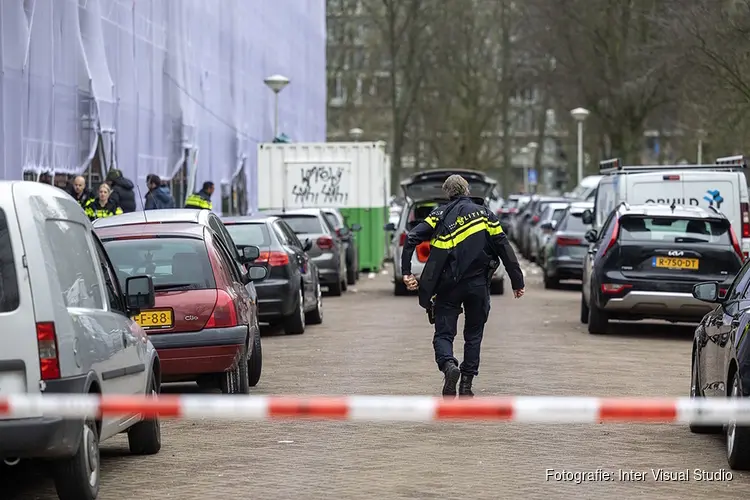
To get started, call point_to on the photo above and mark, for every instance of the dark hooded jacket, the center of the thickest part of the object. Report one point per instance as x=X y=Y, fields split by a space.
x=158 y=198
x=122 y=194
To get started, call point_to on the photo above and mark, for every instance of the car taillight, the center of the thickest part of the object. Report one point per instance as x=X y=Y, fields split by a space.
x=745 y=211
x=46 y=339
x=423 y=251
x=613 y=239
x=402 y=239
x=325 y=243
x=224 y=314
x=514 y=210
x=564 y=241
x=535 y=219
x=614 y=288
x=736 y=244
x=273 y=259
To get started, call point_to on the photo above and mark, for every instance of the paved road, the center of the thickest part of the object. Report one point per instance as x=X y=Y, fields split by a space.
x=374 y=343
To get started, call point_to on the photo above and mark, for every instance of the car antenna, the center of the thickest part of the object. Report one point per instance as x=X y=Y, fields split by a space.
x=140 y=195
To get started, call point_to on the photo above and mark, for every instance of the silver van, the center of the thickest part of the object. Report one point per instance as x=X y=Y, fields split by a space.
x=57 y=282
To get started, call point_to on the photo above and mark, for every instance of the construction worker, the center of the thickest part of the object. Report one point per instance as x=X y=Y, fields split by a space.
x=103 y=205
x=465 y=242
x=201 y=199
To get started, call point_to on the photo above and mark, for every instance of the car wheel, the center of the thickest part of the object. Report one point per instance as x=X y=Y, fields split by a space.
x=551 y=283
x=598 y=320
x=77 y=477
x=399 y=288
x=344 y=286
x=737 y=436
x=235 y=381
x=295 y=324
x=351 y=274
x=315 y=317
x=144 y=438
x=584 y=310
x=696 y=393
x=497 y=287
x=255 y=363
x=335 y=289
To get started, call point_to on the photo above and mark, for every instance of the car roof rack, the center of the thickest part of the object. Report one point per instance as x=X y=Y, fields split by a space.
x=727 y=163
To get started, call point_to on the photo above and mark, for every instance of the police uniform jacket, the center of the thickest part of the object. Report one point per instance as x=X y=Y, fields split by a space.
x=201 y=200
x=464 y=239
x=94 y=210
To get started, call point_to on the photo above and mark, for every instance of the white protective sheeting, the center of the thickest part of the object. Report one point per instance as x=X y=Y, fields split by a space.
x=156 y=77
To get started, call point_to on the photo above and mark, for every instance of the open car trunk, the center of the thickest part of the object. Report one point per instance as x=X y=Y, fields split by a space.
x=428 y=185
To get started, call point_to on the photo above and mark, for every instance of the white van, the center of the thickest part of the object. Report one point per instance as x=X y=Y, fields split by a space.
x=66 y=328
x=722 y=185
x=586 y=190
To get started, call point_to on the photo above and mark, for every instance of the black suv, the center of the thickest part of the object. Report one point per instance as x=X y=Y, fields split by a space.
x=644 y=262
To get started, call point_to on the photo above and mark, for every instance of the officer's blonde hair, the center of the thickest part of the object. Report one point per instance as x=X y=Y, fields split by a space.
x=455 y=185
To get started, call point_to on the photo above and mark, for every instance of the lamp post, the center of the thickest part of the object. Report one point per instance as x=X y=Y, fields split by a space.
x=356 y=133
x=701 y=137
x=277 y=84
x=580 y=115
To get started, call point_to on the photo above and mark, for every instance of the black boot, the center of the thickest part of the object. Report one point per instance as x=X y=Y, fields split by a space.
x=464 y=388
x=452 y=373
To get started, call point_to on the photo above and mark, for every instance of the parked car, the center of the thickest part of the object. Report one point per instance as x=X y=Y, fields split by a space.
x=291 y=295
x=541 y=233
x=346 y=233
x=57 y=281
x=424 y=193
x=529 y=220
x=586 y=190
x=563 y=256
x=646 y=259
x=204 y=324
x=183 y=215
x=326 y=248
x=719 y=367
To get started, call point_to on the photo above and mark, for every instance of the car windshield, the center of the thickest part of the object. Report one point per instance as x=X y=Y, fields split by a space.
x=675 y=230
x=254 y=233
x=173 y=263
x=332 y=220
x=558 y=214
x=574 y=223
x=304 y=224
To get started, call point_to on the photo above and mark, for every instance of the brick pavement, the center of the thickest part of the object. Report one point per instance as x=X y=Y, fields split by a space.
x=374 y=343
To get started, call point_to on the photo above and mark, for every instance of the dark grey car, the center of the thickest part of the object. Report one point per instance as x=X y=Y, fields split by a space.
x=566 y=250
x=327 y=250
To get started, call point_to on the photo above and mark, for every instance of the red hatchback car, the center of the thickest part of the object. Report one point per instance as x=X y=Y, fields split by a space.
x=204 y=324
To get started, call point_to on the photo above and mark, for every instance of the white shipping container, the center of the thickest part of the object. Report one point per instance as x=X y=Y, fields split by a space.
x=329 y=174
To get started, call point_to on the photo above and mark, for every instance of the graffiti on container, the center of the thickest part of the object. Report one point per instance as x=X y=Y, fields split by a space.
x=321 y=185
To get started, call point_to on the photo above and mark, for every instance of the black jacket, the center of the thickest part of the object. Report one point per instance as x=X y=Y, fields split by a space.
x=82 y=200
x=464 y=238
x=123 y=195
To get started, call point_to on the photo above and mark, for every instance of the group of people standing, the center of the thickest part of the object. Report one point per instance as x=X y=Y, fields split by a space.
x=115 y=196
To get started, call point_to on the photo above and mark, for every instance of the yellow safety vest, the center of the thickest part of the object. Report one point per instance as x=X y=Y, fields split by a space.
x=195 y=200
x=95 y=211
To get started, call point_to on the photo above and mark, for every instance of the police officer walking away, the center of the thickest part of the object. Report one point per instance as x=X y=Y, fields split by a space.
x=465 y=242
x=201 y=199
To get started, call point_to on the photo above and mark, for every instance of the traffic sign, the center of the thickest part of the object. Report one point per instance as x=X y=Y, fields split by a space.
x=532 y=176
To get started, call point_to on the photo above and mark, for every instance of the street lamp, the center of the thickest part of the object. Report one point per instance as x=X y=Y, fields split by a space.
x=580 y=115
x=701 y=137
x=356 y=133
x=277 y=84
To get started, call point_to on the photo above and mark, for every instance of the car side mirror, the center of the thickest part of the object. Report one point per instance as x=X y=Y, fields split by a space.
x=249 y=253
x=257 y=273
x=547 y=226
x=356 y=227
x=591 y=235
x=139 y=293
x=587 y=217
x=390 y=227
x=707 y=292
x=342 y=232
x=307 y=245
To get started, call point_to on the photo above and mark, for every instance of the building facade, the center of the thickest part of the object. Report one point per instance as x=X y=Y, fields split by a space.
x=170 y=87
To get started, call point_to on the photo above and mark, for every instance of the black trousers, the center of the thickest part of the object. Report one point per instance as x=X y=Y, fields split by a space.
x=474 y=295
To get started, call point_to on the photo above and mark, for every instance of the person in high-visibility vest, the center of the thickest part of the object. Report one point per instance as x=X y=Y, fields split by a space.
x=201 y=199
x=103 y=205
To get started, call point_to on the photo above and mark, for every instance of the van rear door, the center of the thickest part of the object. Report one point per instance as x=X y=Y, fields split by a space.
x=19 y=354
x=720 y=189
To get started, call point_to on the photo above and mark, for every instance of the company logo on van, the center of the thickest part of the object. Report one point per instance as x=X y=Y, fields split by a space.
x=714 y=196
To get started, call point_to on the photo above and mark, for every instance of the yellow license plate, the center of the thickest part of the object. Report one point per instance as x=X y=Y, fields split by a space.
x=155 y=318
x=676 y=263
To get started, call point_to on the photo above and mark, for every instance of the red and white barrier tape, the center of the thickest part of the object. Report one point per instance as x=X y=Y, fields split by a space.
x=571 y=410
